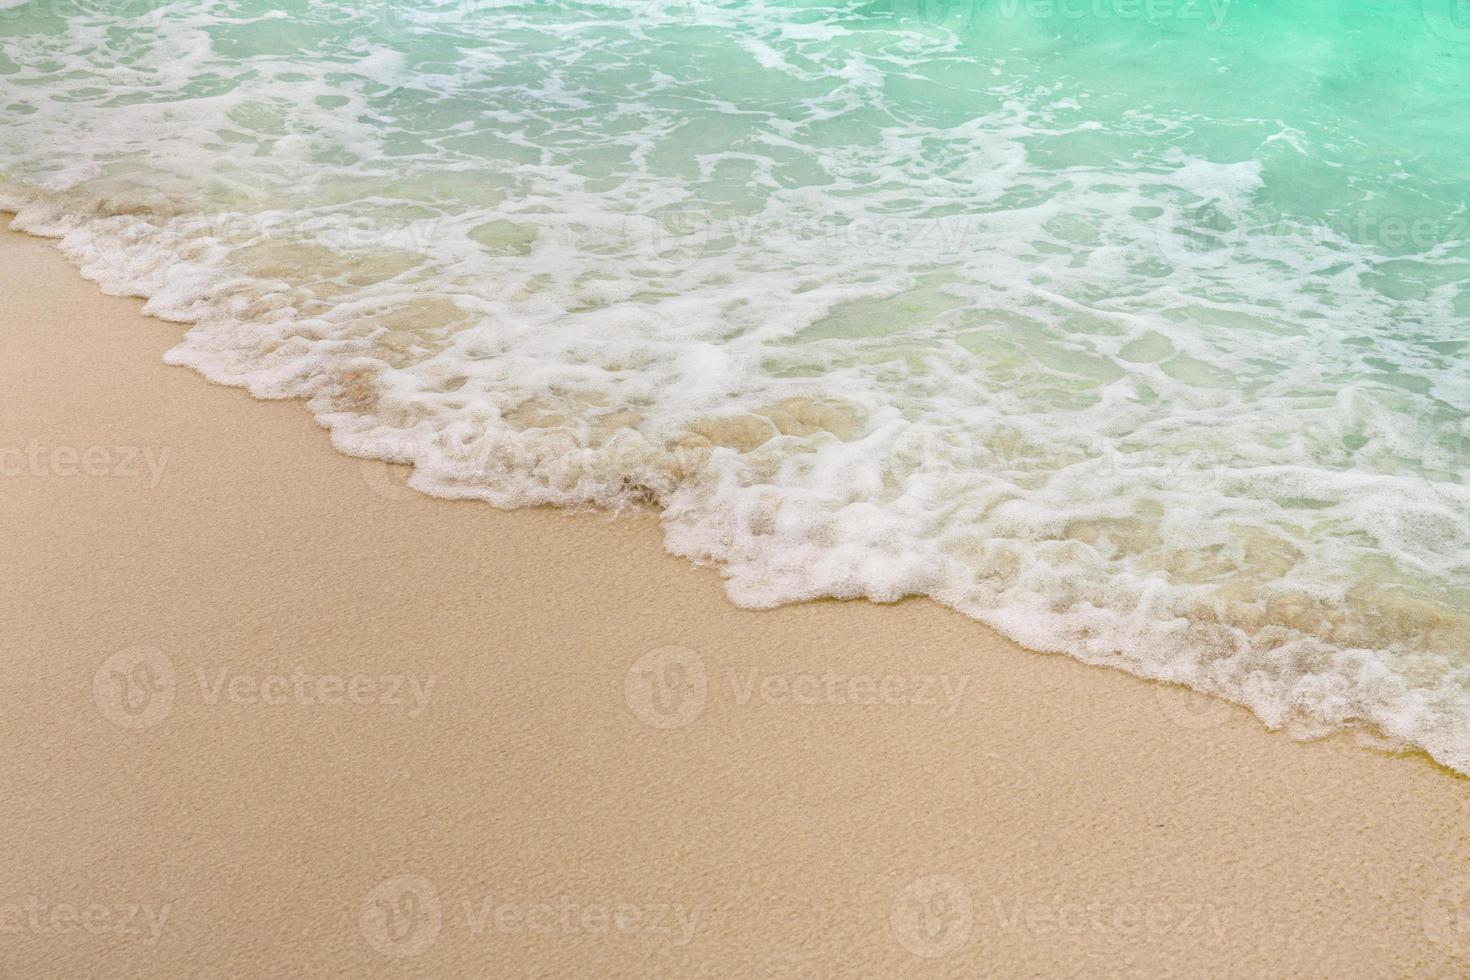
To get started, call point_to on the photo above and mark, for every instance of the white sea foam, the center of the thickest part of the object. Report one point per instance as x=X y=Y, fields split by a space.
x=863 y=317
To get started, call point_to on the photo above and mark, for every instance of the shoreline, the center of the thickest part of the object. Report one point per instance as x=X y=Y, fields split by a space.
x=1303 y=711
x=601 y=733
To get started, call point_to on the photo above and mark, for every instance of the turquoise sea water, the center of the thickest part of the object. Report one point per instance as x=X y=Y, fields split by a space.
x=1138 y=329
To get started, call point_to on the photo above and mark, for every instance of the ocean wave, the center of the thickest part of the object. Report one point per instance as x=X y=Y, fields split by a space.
x=868 y=303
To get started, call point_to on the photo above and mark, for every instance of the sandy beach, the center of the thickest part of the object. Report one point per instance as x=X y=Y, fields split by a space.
x=270 y=713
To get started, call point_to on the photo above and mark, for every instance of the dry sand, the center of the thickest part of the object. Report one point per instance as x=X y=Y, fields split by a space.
x=267 y=713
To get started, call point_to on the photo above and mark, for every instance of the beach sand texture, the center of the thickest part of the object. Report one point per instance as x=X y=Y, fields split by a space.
x=267 y=712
